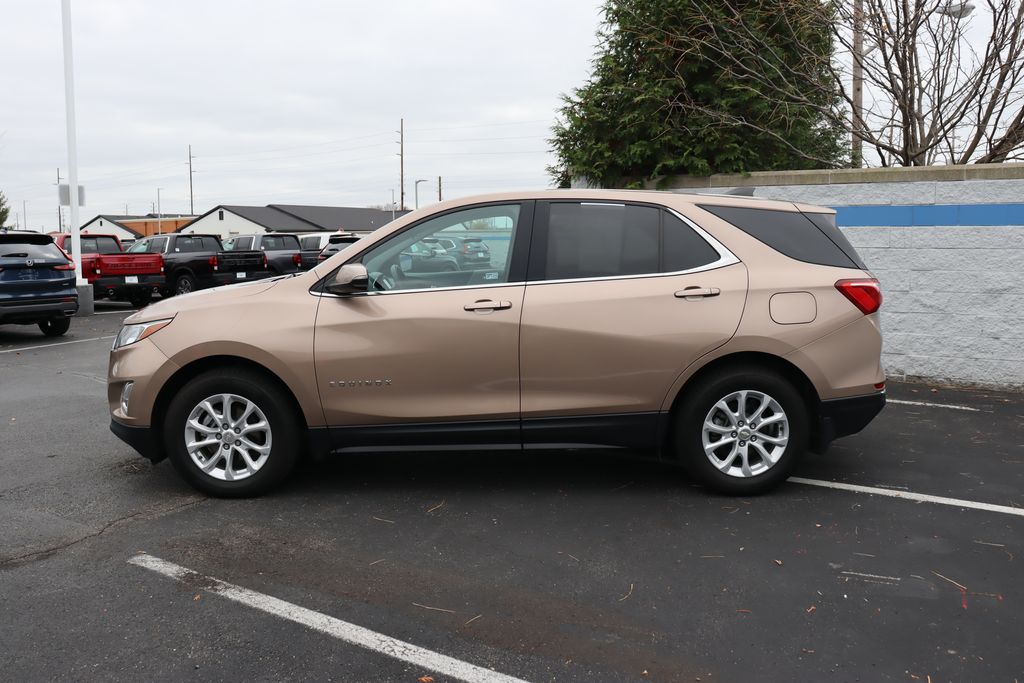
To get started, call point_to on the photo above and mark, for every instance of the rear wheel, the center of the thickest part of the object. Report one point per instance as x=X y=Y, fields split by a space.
x=55 y=327
x=742 y=431
x=232 y=434
x=140 y=299
x=184 y=284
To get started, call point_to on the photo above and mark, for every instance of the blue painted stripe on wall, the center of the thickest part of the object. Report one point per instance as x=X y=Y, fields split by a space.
x=930 y=214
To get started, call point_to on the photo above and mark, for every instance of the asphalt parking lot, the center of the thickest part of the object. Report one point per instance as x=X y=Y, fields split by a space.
x=538 y=568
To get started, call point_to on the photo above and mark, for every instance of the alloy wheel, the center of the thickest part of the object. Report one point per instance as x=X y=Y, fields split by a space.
x=745 y=433
x=228 y=437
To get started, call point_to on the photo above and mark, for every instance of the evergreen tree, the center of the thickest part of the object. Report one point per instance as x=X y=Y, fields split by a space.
x=663 y=100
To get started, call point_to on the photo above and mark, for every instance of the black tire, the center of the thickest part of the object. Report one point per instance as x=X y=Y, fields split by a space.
x=184 y=284
x=280 y=415
x=140 y=299
x=697 y=404
x=54 y=327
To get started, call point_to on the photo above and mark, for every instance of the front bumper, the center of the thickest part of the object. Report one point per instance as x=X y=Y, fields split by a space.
x=845 y=416
x=140 y=438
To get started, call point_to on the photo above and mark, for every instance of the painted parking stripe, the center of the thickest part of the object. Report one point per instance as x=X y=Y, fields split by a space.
x=932 y=405
x=46 y=346
x=910 y=495
x=342 y=630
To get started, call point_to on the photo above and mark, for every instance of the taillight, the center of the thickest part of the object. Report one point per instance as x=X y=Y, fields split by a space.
x=213 y=262
x=296 y=259
x=265 y=261
x=465 y=248
x=67 y=266
x=865 y=294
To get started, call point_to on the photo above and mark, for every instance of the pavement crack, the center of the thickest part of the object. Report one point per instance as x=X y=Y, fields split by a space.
x=47 y=552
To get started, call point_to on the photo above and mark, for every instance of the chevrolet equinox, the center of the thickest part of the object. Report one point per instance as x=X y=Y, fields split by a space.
x=728 y=334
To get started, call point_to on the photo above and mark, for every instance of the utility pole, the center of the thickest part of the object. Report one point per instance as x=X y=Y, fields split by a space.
x=392 y=203
x=24 y=212
x=856 y=142
x=159 y=214
x=191 y=205
x=401 y=161
x=438 y=188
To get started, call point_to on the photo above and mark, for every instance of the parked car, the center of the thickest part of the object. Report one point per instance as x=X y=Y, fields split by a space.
x=282 y=250
x=726 y=334
x=37 y=283
x=194 y=262
x=469 y=252
x=335 y=243
x=113 y=274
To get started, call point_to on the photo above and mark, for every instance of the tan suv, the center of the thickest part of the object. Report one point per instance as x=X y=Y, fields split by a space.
x=727 y=334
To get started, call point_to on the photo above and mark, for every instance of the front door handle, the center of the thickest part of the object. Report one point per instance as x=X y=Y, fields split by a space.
x=698 y=292
x=488 y=305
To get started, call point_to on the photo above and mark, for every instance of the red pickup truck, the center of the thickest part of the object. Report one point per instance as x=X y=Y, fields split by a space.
x=114 y=274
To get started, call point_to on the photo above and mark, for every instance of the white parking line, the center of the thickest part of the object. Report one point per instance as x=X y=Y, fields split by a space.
x=46 y=346
x=932 y=405
x=910 y=495
x=342 y=630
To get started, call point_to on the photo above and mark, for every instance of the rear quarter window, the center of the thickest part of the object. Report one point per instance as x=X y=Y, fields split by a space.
x=790 y=233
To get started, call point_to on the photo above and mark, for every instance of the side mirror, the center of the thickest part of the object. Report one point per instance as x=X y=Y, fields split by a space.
x=351 y=278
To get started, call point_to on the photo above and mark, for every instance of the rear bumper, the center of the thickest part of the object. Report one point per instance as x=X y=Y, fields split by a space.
x=117 y=286
x=139 y=438
x=845 y=416
x=231 y=278
x=32 y=311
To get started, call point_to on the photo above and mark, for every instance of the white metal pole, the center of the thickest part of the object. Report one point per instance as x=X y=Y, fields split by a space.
x=69 y=104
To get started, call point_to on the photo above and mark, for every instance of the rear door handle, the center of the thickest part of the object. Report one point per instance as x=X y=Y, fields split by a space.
x=698 y=292
x=488 y=305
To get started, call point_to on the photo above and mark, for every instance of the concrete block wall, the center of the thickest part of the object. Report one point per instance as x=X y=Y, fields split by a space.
x=947 y=244
x=954 y=301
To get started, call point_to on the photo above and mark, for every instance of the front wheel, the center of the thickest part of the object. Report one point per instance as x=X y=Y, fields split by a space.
x=232 y=434
x=55 y=327
x=742 y=431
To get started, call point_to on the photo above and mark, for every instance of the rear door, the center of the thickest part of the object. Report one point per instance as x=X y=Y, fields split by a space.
x=620 y=299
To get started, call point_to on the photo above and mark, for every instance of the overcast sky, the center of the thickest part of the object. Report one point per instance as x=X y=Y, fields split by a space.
x=293 y=101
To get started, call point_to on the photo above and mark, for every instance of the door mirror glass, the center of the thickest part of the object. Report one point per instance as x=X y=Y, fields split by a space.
x=351 y=278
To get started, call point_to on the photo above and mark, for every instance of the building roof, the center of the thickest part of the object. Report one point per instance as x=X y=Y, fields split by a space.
x=299 y=218
x=116 y=220
x=340 y=217
x=271 y=219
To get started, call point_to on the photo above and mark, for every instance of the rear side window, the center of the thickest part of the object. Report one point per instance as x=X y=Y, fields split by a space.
x=310 y=242
x=278 y=242
x=682 y=248
x=788 y=232
x=592 y=240
x=600 y=240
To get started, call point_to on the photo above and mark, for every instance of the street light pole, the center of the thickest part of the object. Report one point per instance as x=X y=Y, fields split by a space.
x=416 y=190
x=69 y=105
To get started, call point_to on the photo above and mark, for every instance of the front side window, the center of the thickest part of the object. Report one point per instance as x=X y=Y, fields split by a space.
x=279 y=243
x=310 y=242
x=418 y=259
x=238 y=244
x=157 y=246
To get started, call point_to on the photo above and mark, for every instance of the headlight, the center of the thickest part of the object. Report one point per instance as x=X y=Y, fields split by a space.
x=130 y=334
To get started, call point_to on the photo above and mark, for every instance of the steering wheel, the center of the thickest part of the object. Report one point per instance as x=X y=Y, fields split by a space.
x=381 y=282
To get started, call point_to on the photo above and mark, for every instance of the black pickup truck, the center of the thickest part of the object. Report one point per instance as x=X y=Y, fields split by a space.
x=194 y=262
x=281 y=249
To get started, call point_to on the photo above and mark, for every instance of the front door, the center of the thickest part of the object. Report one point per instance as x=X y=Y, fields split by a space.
x=430 y=354
x=607 y=323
